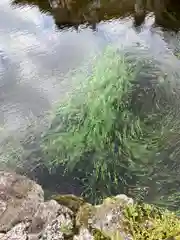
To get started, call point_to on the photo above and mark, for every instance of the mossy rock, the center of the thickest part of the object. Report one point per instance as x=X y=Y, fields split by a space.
x=144 y=221
x=176 y=237
x=98 y=235
x=105 y=219
x=70 y=201
x=118 y=218
x=84 y=215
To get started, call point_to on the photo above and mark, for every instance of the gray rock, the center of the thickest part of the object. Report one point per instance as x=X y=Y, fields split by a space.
x=3 y=206
x=19 y=232
x=2 y=235
x=33 y=236
x=20 y=199
x=107 y=217
x=45 y=214
x=84 y=234
x=60 y=227
x=25 y=216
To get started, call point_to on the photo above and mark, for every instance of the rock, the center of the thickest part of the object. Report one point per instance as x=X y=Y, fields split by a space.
x=125 y=199
x=120 y=218
x=19 y=232
x=19 y=199
x=3 y=206
x=45 y=214
x=107 y=217
x=61 y=227
x=84 y=215
x=25 y=216
x=84 y=234
x=34 y=236
x=69 y=201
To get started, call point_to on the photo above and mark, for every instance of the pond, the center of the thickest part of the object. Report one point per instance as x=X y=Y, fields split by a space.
x=44 y=43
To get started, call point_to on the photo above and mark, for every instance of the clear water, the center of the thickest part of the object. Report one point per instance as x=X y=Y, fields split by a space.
x=43 y=44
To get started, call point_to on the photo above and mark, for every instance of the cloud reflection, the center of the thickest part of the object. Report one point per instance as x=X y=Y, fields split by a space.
x=34 y=61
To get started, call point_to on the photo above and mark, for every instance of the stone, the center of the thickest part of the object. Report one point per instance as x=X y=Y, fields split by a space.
x=107 y=217
x=45 y=214
x=70 y=201
x=18 y=232
x=25 y=216
x=125 y=198
x=19 y=199
x=60 y=227
x=84 y=234
x=3 y=206
x=34 y=236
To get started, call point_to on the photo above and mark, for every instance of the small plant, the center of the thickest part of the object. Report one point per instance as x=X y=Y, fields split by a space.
x=148 y=222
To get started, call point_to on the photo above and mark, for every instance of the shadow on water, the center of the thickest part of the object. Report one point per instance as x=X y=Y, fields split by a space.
x=35 y=70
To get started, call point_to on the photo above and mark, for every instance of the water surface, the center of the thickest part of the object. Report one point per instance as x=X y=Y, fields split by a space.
x=43 y=43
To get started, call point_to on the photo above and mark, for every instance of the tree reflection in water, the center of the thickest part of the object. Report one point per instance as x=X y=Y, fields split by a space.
x=68 y=13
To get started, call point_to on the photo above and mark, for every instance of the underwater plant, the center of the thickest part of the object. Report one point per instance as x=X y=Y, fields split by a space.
x=112 y=131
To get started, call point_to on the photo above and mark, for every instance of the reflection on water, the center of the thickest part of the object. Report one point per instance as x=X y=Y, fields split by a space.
x=34 y=61
x=72 y=13
x=38 y=55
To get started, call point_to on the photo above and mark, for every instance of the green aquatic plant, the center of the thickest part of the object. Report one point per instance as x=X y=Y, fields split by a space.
x=88 y=131
x=110 y=131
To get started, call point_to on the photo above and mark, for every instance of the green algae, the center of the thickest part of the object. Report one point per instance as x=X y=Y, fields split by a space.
x=70 y=201
x=144 y=221
x=98 y=235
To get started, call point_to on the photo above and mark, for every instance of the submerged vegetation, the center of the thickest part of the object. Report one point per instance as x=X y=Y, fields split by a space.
x=119 y=131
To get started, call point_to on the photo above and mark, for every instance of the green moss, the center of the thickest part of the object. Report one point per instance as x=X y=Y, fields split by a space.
x=84 y=215
x=67 y=229
x=70 y=201
x=148 y=222
x=98 y=235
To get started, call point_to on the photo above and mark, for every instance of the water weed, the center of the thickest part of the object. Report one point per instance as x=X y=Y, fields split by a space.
x=110 y=132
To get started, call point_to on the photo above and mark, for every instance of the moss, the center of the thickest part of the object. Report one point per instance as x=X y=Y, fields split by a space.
x=148 y=222
x=99 y=235
x=109 y=200
x=84 y=215
x=67 y=229
x=70 y=201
